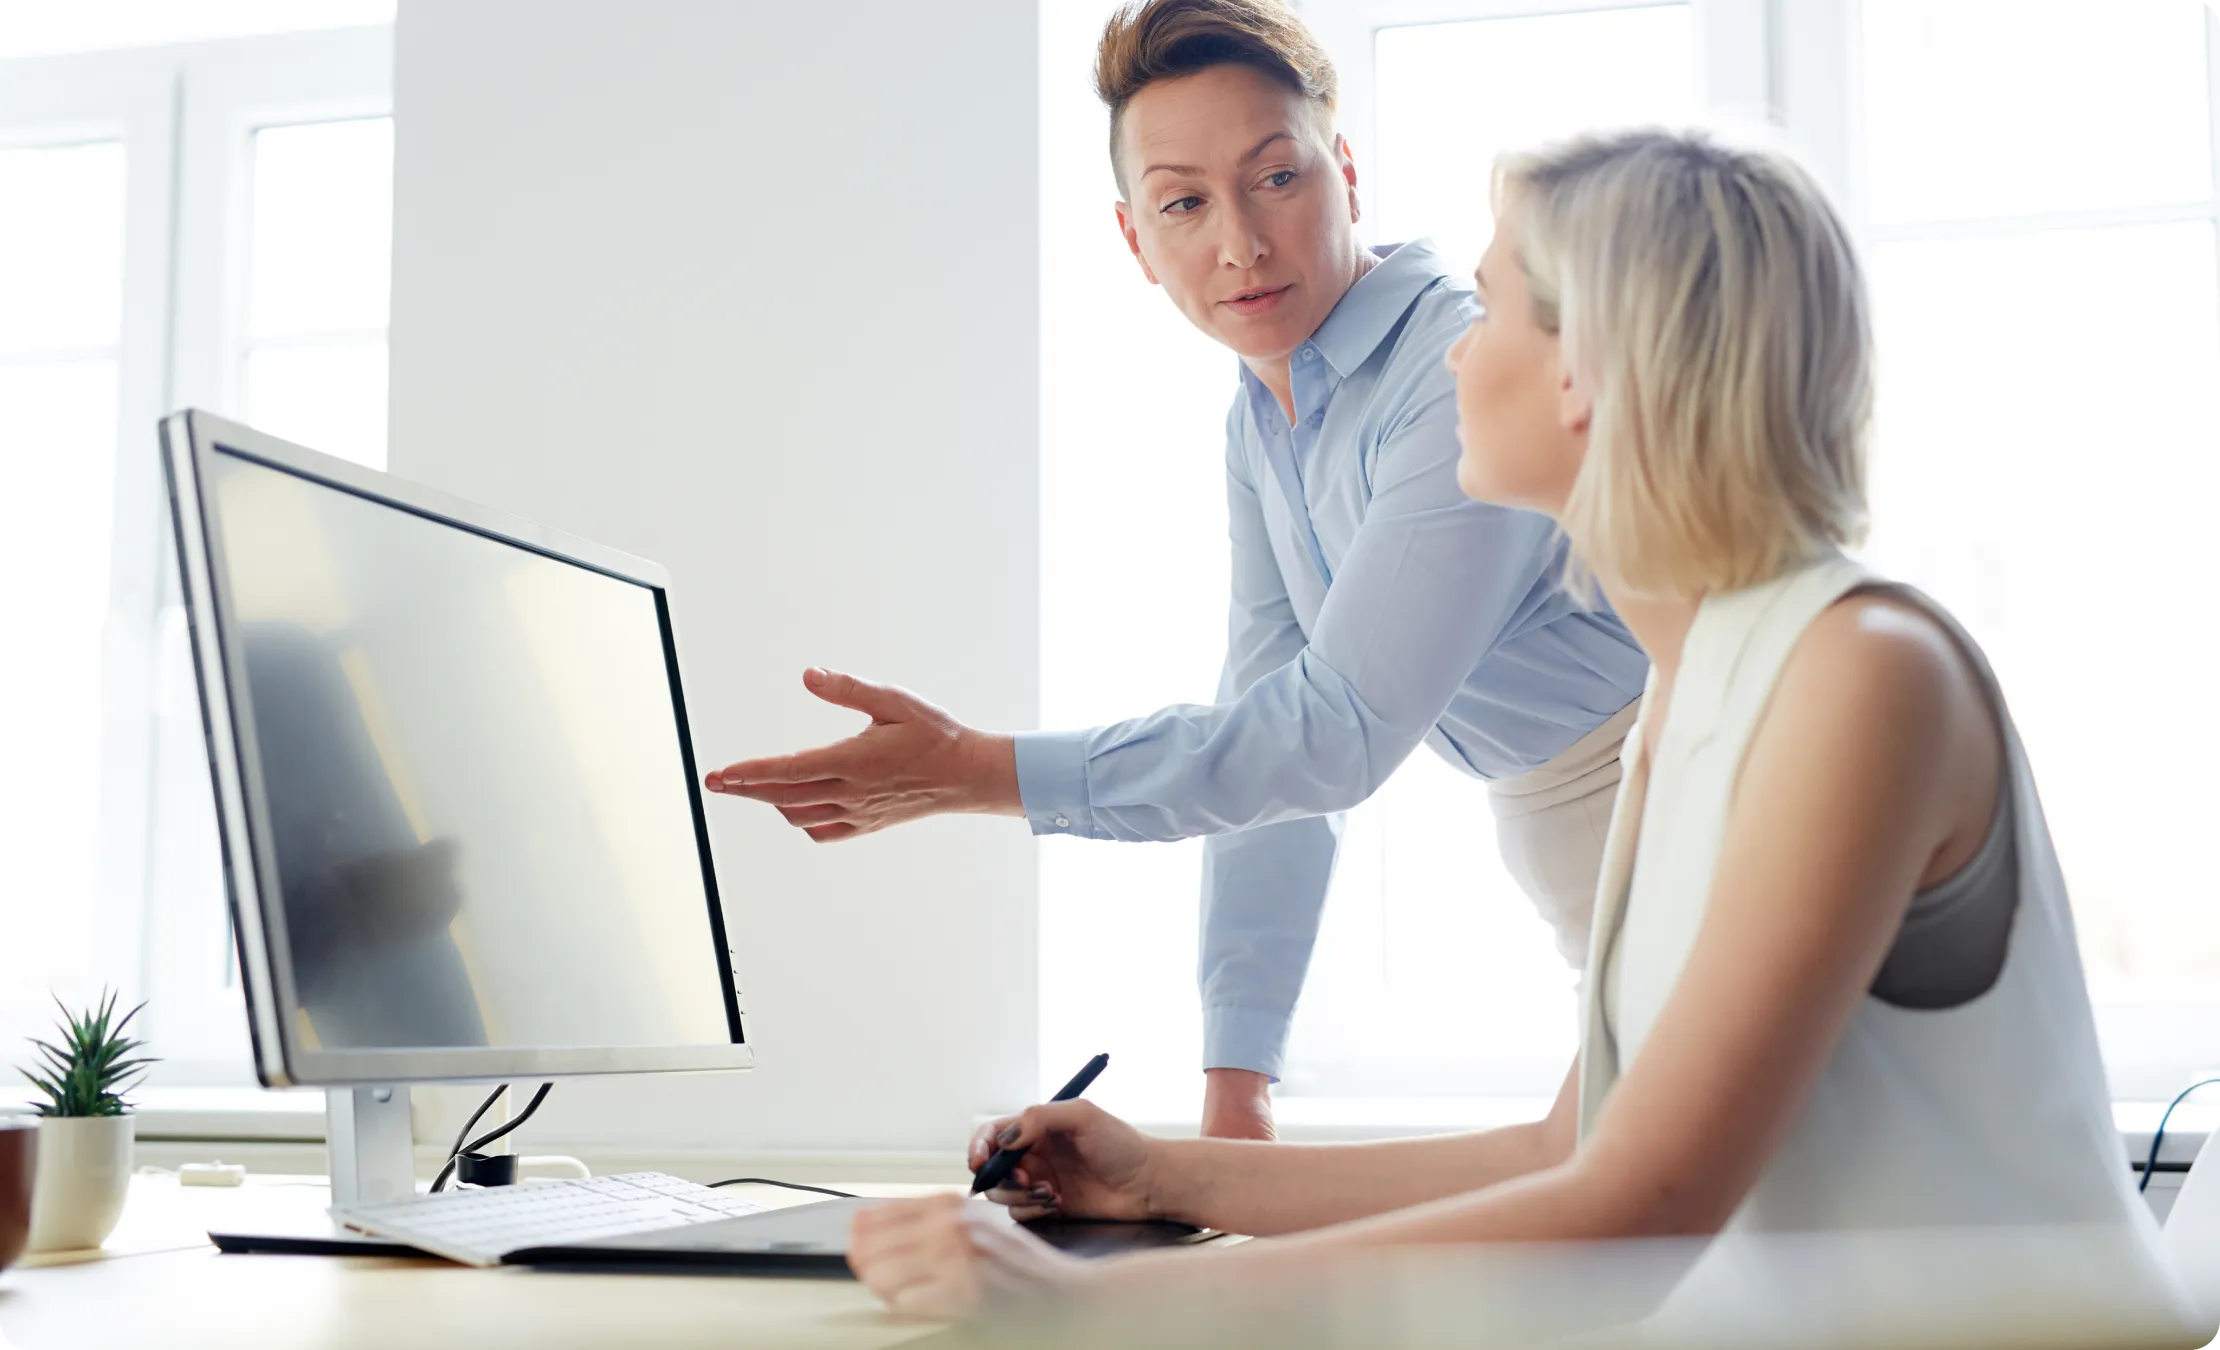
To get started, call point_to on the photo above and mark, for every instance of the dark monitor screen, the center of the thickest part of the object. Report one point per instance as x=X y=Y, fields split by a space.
x=476 y=797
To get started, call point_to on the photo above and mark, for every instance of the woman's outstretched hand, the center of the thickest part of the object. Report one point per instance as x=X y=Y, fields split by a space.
x=914 y=760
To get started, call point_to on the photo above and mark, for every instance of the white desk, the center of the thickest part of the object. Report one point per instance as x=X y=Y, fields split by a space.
x=158 y=1282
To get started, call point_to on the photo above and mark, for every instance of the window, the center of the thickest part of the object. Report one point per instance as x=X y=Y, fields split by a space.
x=61 y=327
x=1433 y=974
x=2048 y=319
x=318 y=278
x=205 y=226
x=1458 y=94
x=2035 y=188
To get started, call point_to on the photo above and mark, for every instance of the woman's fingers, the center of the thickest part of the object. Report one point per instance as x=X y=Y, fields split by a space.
x=987 y=1138
x=917 y=1256
x=1026 y=1200
x=1034 y=1209
x=803 y=817
x=806 y=766
x=1009 y=1257
x=1036 y=1123
x=879 y=702
x=885 y=1236
x=920 y=1283
x=812 y=792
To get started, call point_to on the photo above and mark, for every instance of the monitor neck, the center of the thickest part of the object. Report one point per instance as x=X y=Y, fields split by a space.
x=366 y=1131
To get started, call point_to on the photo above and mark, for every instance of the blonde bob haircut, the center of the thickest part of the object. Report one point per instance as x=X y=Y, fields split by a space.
x=1709 y=299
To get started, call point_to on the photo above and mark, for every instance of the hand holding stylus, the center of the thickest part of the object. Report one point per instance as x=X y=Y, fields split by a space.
x=1005 y=1160
x=1067 y=1157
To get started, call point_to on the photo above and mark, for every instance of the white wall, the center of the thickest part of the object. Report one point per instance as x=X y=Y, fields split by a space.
x=752 y=290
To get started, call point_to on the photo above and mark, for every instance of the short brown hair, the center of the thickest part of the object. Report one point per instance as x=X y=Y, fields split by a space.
x=1150 y=40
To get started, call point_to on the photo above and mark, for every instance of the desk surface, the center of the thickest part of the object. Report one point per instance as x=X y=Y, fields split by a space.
x=158 y=1282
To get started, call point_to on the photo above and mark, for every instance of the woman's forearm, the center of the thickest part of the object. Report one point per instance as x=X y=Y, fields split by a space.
x=1268 y=1189
x=1563 y=1203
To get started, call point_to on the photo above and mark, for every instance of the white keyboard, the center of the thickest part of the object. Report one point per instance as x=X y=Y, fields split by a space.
x=479 y=1227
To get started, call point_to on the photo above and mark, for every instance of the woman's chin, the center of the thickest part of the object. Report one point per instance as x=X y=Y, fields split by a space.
x=1488 y=483
x=1477 y=483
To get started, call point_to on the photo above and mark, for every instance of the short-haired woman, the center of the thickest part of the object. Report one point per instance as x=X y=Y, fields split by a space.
x=1833 y=983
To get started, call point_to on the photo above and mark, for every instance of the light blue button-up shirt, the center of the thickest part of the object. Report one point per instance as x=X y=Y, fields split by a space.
x=1374 y=607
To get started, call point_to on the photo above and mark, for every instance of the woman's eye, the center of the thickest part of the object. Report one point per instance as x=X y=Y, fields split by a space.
x=1182 y=205
x=1281 y=178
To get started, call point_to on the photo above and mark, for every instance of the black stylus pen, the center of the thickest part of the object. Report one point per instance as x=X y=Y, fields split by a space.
x=999 y=1166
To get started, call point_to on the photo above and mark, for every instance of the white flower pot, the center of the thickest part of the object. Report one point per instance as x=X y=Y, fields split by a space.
x=84 y=1175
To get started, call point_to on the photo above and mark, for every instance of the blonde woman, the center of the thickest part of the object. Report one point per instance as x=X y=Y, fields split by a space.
x=1833 y=983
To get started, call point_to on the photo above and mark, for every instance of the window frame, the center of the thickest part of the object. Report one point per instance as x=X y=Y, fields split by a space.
x=1735 y=41
x=186 y=114
x=126 y=97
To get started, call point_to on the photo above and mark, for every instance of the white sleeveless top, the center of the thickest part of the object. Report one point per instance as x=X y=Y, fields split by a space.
x=1994 y=1111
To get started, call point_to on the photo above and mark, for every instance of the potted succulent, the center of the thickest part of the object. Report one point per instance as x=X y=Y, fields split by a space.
x=85 y=1127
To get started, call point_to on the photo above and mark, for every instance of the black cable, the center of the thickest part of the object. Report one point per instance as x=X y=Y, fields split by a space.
x=2150 y=1163
x=790 y=1185
x=440 y=1182
x=526 y=1114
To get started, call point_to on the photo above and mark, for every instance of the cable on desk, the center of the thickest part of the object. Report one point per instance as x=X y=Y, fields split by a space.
x=2150 y=1162
x=789 y=1185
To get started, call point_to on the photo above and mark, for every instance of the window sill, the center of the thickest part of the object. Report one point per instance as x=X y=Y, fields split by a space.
x=223 y=1113
x=246 y=1113
x=1316 y=1120
x=1354 y=1119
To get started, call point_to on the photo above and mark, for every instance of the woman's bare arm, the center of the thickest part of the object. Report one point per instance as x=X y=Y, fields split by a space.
x=1878 y=761
x=1269 y=1189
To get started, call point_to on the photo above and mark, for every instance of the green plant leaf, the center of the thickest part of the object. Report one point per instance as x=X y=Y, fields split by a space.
x=94 y=1064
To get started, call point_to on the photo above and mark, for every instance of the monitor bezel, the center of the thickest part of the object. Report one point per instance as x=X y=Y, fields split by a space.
x=189 y=440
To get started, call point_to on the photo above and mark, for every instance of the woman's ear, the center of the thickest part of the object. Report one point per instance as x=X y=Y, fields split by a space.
x=1133 y=242
x=1345 y=161
x=1576 y=408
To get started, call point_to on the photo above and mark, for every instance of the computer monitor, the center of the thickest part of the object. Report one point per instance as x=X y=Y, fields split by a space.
x=462 y=831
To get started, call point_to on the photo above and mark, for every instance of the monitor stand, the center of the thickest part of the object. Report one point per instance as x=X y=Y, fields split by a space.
x=372 y=1160
x=366 y=1132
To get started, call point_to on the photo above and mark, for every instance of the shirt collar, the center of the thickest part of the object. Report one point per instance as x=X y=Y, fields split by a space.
x=1369 y=310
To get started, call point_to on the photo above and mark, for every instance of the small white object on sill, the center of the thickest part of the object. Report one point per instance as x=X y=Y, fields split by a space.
x=211 y=1174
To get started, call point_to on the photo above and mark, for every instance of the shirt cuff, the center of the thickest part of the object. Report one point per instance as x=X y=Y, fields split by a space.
x=1237 y=1037
x=1052 y=782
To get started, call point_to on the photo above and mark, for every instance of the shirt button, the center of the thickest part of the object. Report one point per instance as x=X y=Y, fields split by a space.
x=1063 y=823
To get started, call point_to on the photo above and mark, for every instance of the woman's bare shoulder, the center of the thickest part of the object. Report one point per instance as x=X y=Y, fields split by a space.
x=1874 y=648
x=1881 y=686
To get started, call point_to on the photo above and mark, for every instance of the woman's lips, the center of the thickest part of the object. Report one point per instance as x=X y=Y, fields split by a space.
x=1250 y=305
